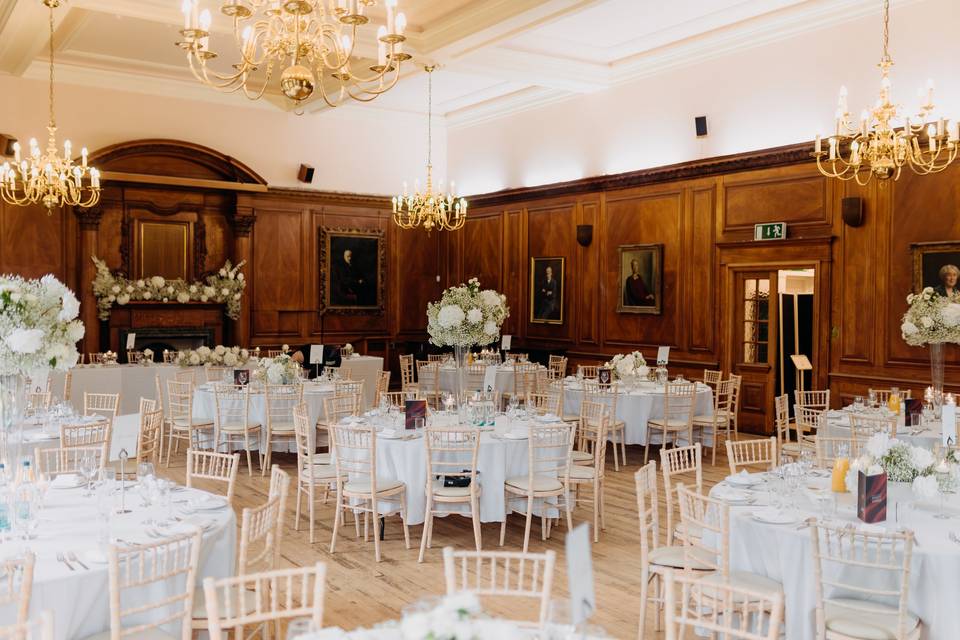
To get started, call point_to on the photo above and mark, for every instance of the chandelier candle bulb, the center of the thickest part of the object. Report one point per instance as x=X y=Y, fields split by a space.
x=391 y=16
x=931 y=139
x=817 y=146
x=400 y=23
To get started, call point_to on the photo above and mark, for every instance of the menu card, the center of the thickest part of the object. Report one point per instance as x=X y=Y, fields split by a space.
x=241 y=376
x=415 y=409
x=872 y=497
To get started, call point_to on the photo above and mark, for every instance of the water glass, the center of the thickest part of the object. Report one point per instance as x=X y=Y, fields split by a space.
x=144 y=470
x=89 y=466
x=857 y=403
x=806 y=461
x=872 y=398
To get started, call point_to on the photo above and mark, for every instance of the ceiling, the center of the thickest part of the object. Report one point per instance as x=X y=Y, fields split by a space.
x=496 y=56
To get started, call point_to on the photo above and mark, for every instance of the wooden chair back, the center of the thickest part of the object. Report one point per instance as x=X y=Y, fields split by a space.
x=760 y=452
x=280 y=400
x=452 y=453
x=260 y=531
x=339 y=407
x=180 y=401
x=348 y=387
x=474 y=376
x=829 y=448
x=96 y=434
x=216 y=467
x=712 y=377
x=809 y=421
x=781 y=417
x=399 y=398
x=543 y=403
x=588 y=371
x=217 y=375
x=437 y=357
x=648 y=508
x=527 y=576
x=383 y=384
x=406 y=371
x=677 y=461
x=428 y=373
x=863 y=426
x=812 y=399
x=557 y=367
x=16 y=583
x=355 y=454
x=548 y=452
x=305 y=444
x=883 y=395
x=102 y=404
x=58 y=461
x=67 y=385
x=38 y=402
x=232 y=407
x=148 y=438
x=711 y=519
x=39 y=628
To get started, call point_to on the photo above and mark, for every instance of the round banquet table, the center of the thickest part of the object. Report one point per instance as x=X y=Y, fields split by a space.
x=636 y=407
x=366 y=368
x=838 y=426
x=783 y=553
x=499 y=458
x=70 y=522
x=314 y=393
x=131 y=381
x=503 y=380
x=34 y=435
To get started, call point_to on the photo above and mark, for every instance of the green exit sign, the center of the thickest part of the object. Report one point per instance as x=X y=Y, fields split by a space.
x=770 y=231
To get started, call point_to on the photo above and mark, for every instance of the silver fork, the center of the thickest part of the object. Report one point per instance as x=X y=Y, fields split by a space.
x=73 y=557
x=62 y=559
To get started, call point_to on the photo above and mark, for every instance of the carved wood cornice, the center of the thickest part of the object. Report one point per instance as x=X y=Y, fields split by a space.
x=764 y=159
x=242 y=221
x=89 y=218
x=331 y=197
x=229 y=169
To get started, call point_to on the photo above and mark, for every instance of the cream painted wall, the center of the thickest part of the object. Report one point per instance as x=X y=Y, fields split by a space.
x=767 y=96
x=358 y=149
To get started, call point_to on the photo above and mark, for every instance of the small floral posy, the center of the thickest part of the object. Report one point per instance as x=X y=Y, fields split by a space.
x=38 y=325
x=225 y=287
x=931 y=319
x=280 y=370
x=629 y=365
x=219 y=355
x=467 y=316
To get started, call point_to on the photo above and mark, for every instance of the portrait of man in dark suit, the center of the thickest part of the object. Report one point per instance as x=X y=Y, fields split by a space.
x=640 y=273
x=352 y=271
x=546 y=290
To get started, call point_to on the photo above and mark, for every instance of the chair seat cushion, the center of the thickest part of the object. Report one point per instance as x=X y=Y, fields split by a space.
x=669 y=424
x=581 y=472
x=582 y=456
x=745 y=580
x=673 y=557
x=280 y=427
x=200 y=604
x=879 y=623
x=451 y=492
x=239 y=428
x=540 y=483
x=182 y=423
x=363 y=486
x=709 y=420
x=323 y=472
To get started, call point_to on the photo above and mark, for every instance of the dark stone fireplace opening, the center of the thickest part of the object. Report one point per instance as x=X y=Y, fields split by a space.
x=170 y=338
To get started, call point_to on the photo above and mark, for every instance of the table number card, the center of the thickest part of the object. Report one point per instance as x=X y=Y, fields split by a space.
x=131 y=341
x=663 y=355
x=872 y=497
x=583 y=600
x=505 y=342
x=604 y=377
x=490 y=379
x=316 y=354
x=241 y=377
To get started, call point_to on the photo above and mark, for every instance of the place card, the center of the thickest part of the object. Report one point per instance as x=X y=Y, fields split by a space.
x=241 y=376
x=948 y=422
x=415 y=411
x=505 y=342
x=316 y=354
x=583 y=600
x=663 y=355
x=604 y=377
x=131 y=341
x=490 y=379
x=872 y=497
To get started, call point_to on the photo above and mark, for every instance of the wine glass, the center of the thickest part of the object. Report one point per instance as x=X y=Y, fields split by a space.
x=144 y=470
x=872 y=398
x=858 y=403
x=806 y=461
x=89 y=465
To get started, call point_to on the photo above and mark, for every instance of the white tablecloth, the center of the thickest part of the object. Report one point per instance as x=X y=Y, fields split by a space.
x=838 y=426
x=636 y=407
x=504 y=378
x=366 y=368
x=205 y=408
x=131 y=381
x=79 y=599
x=35 y=436
x=783 y=553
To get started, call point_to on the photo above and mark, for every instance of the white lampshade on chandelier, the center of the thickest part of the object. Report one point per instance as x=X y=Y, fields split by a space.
x=874 y=147
x=309 y=44
x=429 y=209
x=45 y=176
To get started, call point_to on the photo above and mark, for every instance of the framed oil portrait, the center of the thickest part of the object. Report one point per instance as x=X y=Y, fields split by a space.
x=929 y=260
x=352 y=271
x=546 y=290
x=640 y=278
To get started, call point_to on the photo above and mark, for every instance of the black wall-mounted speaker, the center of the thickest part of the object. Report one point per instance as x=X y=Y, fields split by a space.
x=701 y=123
x=305 y=174
x=852 y=211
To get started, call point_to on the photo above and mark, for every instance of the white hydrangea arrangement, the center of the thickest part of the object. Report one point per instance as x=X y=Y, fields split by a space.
x=219 y=355
x=901 y=461
x=629 y=365
x=282 y=369
x=224 y=287
x=931 y=319
x=38 y=322
x=466 y=316
x=457 y=617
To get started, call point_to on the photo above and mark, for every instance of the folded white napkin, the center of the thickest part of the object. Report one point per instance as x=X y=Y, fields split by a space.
x=388 y=433
x=66 y=481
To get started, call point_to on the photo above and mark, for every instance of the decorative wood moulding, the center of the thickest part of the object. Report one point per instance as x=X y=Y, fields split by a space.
x=89 y=218
x=243 y=219
x=767 y=158
x=331 y=197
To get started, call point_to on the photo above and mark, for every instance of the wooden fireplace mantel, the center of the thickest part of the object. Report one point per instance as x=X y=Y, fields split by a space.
x=171 y=315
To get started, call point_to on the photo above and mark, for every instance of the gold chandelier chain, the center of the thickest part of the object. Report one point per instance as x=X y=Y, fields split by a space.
x=886 y=32
x=429 y=71
x=52 y=119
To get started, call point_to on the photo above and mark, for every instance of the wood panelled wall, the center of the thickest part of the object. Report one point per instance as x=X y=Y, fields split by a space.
x=703 y=213
x=275 y=230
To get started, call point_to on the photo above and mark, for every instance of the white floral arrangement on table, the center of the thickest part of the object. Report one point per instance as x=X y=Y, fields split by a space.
x=147 y=356
x=457 y=617
x=629 y=365
x=347 y=350
x=38 y=325
x=282 y=369
x=902 y=462
x=224 y=287
x=466 y=316
x=931 y=319
x=219 y=355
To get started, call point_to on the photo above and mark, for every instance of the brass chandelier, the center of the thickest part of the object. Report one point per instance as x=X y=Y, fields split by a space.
x=306 y=42
x=443 y=211
x=48 y=177
x=873 y=147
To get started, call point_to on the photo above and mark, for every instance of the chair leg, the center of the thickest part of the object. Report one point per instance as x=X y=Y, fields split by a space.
x=503 y=526
x=427 y=526
x=623 y=445
x=376 y=529
x=296 y=515
x=475 y=514
x=603 y=508
x=526 y=531
x=616 y=458
x=403 y=518
x=646 y=448
x=644 y=585
x=336 y=523
x=265 y=458
x=313 y=501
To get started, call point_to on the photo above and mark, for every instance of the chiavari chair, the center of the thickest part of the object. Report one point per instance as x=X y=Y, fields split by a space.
x=38 y=402
x=407 y=378
x=588 y=371
x=862 y=583
x=273 y=353
x=280 y=400
x=64 y=460
x=220 y=468
x=134 y=356
x=548 y=476
x=67 y=385
x=183 y=426
x=474 y=377
x=150 y=436
x=809 y=422
x=883 y=395
x=516 y=357
x=711 y=377
x=679 y=403
x=399 y=398
x=313 y=470
x=383 y=384
x=348 y=387
x=232 y=420
x=451 y=454
x=617 y=430
x=527 y=577
x=216 y=375
x=437 y=357
x=728 y=611
x=819 y=400
x=863 y=426
x=358 y=486
x=585 y=445
x=543 y=404
x=557 y=367
x=106 y=405
x=676 y=462
x=781 y=415
x=136 y=572
x=829 y=448
x=16 y=583
x=760 y=452
x=186 y=375
x=97 y=434
x=428 y=374
x=40 y=627
x=717 y=424
x=524 y=381
x=280 y=595
x=593 y=474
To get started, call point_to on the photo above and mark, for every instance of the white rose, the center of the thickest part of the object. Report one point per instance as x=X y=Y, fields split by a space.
x=474 y=316
x=926 y=322
x=165 y=299
x=57 y=354
x=193 y=288
x=157 y=281
x=123 y=299
x=951 y=315
x=203 y=298
x=878 y=445
x=925 y=486
x=223 y=273
x=908 y=328
x=71 y=306
x=75 y=331
x=285 y=348
x=490 y=298
x=24 y=340
x=220 y=349
x=147 y=295
x=244 y=354
x=240 y=277
x=129 y=288
x=450 y=316
x=15 y=297
x=236 y=296
x=921 y=458
x=140 y=284
x=225 y=291
x=194 y=358
x=115 y=288
x=275 y=373
x=148 y=353
x=170 y=290
x=209 y=291
x=183 y=297
x=490 y=328
x=230 y=359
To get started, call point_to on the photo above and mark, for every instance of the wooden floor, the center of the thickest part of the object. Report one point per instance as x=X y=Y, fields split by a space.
x=362 y=592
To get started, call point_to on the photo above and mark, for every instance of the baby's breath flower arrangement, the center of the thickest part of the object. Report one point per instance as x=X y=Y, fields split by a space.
x=931 y=319
x=224 y=287
x=466 y=316
x=39 y=329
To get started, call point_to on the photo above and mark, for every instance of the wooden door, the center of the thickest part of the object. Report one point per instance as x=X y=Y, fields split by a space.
x=753 y=345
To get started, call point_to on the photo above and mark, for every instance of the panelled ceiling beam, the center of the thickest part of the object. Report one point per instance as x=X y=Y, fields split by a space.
x=23 y=33
x=537 y=69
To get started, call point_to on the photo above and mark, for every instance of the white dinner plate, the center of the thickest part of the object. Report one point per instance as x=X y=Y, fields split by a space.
x=206 y=503
x=775 y=516
x=734 y=496
x=67 y=481
x=510 y=435
x=390 y=435
x=741 y=480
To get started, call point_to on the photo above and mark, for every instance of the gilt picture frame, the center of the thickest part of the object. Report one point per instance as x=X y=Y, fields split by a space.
x=929 y=258
x=352 y=271
x=640 y=278
x=547 y=280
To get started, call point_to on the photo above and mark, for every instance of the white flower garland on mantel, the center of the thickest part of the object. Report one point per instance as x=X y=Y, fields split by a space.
x=224 y=287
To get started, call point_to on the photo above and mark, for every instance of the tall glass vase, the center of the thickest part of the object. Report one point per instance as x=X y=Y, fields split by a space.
x=460 y=354
x=936 y=374
x=13 y=404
